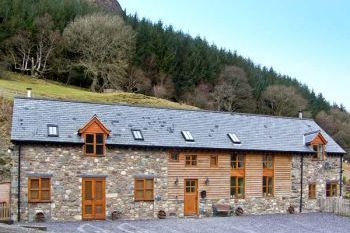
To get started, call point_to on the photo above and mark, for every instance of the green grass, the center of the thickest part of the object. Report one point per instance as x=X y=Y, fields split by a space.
x=13 y=84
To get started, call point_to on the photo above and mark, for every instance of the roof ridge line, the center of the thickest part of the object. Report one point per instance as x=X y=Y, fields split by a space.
x=159 y=107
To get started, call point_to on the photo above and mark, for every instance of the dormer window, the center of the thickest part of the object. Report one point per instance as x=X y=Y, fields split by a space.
x=317 y=143
x=95 y=135
x=52 y=130
x=319 y=151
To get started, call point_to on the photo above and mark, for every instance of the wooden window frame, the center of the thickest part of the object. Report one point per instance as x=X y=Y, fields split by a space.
x=95 y=144
x=237 y=161
x=331 y=189
x=236 y=187
x=171 y=154
x=192 y=162
x=265 y=189
x=318 y=156
x=312 y=190
x=216 y=157
x=143 y=189
x=39 y=190
x=268 y=172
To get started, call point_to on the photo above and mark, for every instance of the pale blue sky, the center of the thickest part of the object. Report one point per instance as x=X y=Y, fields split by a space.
x=305 y=39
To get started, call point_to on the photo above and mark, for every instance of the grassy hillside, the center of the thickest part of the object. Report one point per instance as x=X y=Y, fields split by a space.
x=12 y=84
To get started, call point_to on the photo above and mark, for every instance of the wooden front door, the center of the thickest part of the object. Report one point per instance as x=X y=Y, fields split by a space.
x=94 y=198
x=191 y=197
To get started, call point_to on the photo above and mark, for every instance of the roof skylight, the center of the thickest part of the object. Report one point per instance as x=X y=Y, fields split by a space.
x=52 y=130
x=137 y=134
x=187 y=136
x=234 y=138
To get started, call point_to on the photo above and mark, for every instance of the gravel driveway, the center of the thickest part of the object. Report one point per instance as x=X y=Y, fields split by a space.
x=299 y=223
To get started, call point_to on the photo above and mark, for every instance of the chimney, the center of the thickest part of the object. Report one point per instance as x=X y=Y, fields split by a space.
x=29 y=92
x=300 y=115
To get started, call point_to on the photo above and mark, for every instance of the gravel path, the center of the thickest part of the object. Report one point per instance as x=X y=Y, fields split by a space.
x=299 y=223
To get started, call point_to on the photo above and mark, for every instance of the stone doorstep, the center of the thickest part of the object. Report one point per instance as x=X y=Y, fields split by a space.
x=40 y=228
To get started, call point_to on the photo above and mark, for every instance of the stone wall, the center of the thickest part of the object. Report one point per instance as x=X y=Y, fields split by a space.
x=68 y=165
x=315 y=171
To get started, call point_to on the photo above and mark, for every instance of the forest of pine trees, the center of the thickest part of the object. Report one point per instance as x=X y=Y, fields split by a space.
x=150 y=58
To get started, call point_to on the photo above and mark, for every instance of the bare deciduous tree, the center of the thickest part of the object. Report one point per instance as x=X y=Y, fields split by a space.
x=280 y=100
x=102 y=45
x=233 y=93
x=30 y=52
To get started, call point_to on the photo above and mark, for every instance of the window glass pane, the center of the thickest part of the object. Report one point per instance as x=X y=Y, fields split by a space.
x=88 y=190
x=99 y=149
x=139 y=184
x=213 y=160
x=240 y=161
x=149 y=184
x=233 y=181
x=174 y=156
x=233 y=161
x=34 y=195
x=45 y=195
x=193 y=183
x=188 y=189
x=45 y=183
x=264 y=180
x=99 y=138
x=34 y=183
x=89 y=149
x=188 y=183
x=233 y=191
x=194 y=162
x=89 y=138
x=192 y=189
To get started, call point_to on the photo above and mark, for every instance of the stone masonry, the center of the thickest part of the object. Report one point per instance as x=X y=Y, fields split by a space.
x=67 y=165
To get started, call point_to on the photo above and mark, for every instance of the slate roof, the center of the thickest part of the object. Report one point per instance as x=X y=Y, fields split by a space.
x=161 y=127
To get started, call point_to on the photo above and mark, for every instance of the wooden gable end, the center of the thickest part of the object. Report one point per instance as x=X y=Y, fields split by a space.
x=318 y=140
x=94 y=126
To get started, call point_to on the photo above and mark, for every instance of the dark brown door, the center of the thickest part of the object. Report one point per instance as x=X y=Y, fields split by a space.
x=94 y=198
x=191 y=197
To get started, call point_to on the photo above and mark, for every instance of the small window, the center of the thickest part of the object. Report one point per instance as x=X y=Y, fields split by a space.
x=234 y=138
x=95 y=144
x=332 y=189
x=319 y=151
x=191 y=160
x=268 y=161
x=143 y=190
x=137 y=134
x=237 y=187
x=39 y=189
x=237 y=161
x=174 y=156
x=52 y=130
x=187 y=136
x=267 y=186
x=312 y=191
x=214 y=160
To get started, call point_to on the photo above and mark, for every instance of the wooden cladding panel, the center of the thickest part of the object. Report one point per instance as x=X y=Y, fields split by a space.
x=219 y=177
x=283 y=183
x=253 y=175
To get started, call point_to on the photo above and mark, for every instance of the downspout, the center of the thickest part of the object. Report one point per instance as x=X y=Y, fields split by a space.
x=341 y=176
x=19 y=185
x=301 y=182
